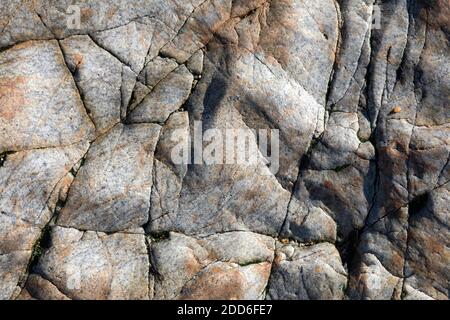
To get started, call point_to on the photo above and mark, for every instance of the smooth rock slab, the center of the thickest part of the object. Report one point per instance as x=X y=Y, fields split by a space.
x=30 y=186
x=22 y=20
x=130 y=43
x=225 y=281
x=303 y=37
x=330 y=204
x=156 y=70
x=41 y=289
x=91 y=265
x=374 y=282
x=168 y=176
x=99 y=76
x=40 y=104
x=112 y=190
x=427 y=256
x=166 y=97
x=13 y=270
x=307 y=273
x=234 y=265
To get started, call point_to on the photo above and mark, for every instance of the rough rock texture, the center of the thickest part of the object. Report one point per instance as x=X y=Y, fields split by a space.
x=99 y=99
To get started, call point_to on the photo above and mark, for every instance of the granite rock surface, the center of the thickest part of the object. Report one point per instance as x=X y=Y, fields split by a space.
x=103 y=192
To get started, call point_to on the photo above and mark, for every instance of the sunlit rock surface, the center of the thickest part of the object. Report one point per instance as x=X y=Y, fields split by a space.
x=99 y=102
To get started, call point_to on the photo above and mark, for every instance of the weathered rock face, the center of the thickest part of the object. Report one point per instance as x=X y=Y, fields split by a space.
x=119 y=122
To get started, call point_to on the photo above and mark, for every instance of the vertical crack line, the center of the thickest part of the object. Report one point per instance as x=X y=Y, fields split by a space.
x=411 y=207
x=45 y=24
x=336 y=54
x=151 y=271
x=147 y=225
x=37 y=246
x=366 y=92
x=304 y=162
x=79 y=91
x=405 y=255
x=266 y=289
